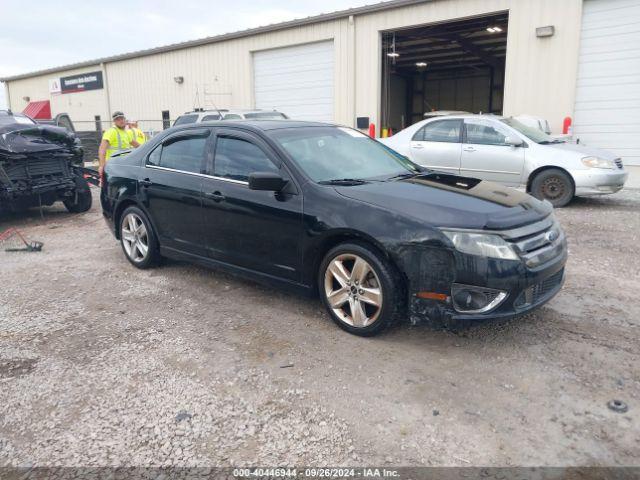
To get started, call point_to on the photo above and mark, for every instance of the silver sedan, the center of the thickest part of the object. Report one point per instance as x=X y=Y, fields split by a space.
x=504 y=150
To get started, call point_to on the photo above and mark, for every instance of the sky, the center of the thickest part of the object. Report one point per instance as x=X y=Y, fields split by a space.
x=36 y=34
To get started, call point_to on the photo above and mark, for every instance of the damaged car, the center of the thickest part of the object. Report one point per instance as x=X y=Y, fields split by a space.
x=40 y=165
x=327 y=210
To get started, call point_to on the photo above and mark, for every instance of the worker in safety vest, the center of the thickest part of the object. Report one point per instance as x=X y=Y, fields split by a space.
x=115 y=139
x=135 y=133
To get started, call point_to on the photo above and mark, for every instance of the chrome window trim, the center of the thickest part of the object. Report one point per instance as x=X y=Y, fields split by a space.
x=230 y=180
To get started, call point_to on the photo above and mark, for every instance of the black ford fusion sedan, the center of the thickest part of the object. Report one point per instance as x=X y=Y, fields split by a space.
x=322 y=208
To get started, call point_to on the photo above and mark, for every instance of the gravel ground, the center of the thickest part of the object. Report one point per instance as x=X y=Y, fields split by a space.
x=102 y=364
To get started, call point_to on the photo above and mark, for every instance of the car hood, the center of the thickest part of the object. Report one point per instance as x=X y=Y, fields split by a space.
x=444 y=200
x=584 y=150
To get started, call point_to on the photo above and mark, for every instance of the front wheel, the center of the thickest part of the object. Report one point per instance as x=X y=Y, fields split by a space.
x=82 y=199
x=554 y=185
x=359 y=289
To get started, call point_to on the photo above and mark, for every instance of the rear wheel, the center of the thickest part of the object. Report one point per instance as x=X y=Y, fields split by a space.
x=553 y=185
x=137 y=238
x=82 y=200
x=358 y=289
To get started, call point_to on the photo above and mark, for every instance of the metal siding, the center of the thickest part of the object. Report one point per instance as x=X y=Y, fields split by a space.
x=540 y=73
x=145 y=86
x=81 y=106
x=607 y=108
x=540 y=77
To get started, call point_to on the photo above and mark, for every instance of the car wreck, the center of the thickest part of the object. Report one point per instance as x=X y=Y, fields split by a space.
x=40 y=165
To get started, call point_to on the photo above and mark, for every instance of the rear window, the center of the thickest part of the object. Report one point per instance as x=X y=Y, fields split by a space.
x=180 y=153
x=184 y=119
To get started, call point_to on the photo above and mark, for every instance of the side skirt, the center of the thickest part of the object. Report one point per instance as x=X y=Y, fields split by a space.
x=262 y=278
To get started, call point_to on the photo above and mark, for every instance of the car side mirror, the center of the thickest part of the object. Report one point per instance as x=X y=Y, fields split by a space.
x=513 y=141
x=268 y=181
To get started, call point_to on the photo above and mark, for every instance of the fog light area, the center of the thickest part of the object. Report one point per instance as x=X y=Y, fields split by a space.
x=470 y=299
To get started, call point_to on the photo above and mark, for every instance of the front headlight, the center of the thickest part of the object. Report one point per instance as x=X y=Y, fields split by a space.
x=481 y=244
x=597 y=162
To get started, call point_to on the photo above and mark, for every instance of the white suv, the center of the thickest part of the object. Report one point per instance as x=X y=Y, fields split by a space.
x=212 y=115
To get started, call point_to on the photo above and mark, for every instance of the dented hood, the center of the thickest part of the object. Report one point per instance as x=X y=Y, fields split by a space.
x=24 y=139
x=452 y=201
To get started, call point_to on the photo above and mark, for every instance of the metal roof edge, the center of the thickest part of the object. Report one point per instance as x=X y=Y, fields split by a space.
x=381 y=6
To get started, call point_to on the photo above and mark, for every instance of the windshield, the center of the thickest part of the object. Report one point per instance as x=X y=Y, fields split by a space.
x=532 y=133
x=265 y=116
x=338 y=153
x=6 y=119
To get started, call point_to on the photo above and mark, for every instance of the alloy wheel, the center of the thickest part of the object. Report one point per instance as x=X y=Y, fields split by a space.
x=353 y=290
x=135 y=237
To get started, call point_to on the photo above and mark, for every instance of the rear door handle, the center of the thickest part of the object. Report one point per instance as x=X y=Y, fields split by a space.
x=215 y=196
x=469 y=149
x=417 y=146
x=146 y=182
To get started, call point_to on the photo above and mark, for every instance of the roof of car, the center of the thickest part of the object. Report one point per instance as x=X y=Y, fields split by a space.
x=263 y=125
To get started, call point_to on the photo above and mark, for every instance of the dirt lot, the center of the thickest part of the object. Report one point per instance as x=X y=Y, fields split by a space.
x=103 y=364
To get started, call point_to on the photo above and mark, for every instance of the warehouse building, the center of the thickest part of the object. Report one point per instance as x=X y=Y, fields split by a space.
x=387 y=64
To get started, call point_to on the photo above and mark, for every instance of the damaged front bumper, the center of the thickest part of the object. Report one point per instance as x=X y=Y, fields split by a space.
x=37 y=166
x=518 y=286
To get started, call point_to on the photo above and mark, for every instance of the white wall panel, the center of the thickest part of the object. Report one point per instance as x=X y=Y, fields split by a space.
x=297 y=81
x=607 y=108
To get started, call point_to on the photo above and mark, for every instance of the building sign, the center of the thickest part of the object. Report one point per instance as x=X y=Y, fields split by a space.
x=54 y=85
x=81 y=82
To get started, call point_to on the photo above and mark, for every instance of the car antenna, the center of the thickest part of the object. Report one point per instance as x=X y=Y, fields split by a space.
x=217 y=109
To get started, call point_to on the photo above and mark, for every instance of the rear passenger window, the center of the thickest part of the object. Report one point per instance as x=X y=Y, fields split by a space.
x=236 y=159
x=181 y=153
x=447 y=131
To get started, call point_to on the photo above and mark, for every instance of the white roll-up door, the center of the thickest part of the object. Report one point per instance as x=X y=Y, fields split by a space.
x=297 y=81
x=607 y=110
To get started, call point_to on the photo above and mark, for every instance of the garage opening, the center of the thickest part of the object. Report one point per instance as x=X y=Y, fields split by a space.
x=452 y=66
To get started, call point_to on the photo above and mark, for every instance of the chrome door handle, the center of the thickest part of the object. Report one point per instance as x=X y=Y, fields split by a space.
x=469 y=149
x=215 y=196
x=417 y=146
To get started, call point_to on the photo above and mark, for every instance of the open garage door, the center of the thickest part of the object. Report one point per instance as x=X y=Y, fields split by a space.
x=297 y=81
x=457 y=65
x=607 y=110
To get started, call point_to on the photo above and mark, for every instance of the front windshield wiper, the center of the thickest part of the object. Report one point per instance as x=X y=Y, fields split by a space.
x=406 y=175
x=343 y=181
x=549 y=142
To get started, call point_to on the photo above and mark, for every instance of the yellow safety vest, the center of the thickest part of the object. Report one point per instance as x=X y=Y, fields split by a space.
x=118 y=139
x=137 y=135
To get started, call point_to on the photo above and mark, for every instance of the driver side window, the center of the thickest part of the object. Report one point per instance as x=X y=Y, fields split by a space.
x=236 y=158
x=484 y=134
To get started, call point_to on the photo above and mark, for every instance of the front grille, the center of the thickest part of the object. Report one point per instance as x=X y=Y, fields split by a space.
x=36 y=168
x=618 y=162
x=536 y=243
x=540 y=291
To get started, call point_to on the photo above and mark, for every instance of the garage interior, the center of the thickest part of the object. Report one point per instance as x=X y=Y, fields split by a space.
x=457 y=65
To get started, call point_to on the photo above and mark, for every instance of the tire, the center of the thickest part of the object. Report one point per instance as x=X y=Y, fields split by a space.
x=138 y=239
x=82 y=199
x=554 y=185
x=340 y=295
